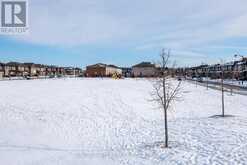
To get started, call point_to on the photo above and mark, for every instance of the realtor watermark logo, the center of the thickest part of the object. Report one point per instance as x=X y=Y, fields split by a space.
x=14 y=17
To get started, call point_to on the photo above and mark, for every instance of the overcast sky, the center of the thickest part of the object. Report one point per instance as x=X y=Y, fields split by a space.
x=125 y=32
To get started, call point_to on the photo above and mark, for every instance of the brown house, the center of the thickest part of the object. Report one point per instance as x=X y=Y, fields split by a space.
x=102 y=70
x=60 y=71
x=48 y=70
x=52 y=70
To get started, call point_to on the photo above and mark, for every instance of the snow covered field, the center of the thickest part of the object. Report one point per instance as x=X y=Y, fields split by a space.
x=111 y=122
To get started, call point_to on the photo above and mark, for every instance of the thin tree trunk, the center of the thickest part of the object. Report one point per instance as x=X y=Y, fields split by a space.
x=222 y=91
x=166 y=128
x=165 y=105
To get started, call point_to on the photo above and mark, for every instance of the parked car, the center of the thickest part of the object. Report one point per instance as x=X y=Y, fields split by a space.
x=27 y=77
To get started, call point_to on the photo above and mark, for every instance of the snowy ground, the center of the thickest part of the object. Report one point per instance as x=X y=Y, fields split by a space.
x=111 y=122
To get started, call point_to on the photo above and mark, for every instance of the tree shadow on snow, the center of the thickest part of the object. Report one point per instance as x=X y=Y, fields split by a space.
x=220 y=116
x=160 y=145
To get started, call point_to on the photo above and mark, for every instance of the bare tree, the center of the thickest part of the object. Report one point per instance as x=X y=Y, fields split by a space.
x=165 y=90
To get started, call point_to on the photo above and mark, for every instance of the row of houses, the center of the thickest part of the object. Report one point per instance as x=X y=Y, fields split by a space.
x=143 y=69
x=16 y=69
x=231 y=70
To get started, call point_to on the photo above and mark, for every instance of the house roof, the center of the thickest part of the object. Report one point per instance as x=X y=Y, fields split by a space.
x=112 y=66
x=97 y=65
x=28 y=64
x=144 y=64
x=39 y=65
x=34 y=65
x=102 y=65
x=77 y=68
x=14 y=64
x=229 y=64
x=201 y=66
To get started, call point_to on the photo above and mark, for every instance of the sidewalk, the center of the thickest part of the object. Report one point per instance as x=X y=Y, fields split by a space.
x=234 y=89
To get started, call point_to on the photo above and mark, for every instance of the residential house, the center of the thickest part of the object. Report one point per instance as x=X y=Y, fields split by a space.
x=61 y=71
x=2 y=70
x=112 y=69
x=70 y=71
x=13 y=69
x=54 y=70
x=96 y=70
x=48 y=71
x=40 y=70
x=240 y=69
x=144 y=69
x=102 y=70
x=32 y=69
x=6 y=70
x=9 y=70
x=215 y=71
x=228 y=70
x=244 y=69
x=51 y=70
x=78 y=71
x=201 y=71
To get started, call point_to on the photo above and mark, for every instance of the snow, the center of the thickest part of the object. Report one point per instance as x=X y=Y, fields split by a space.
x=111 y=122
